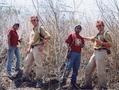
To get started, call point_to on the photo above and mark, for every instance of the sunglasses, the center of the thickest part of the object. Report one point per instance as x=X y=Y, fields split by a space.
x=34 y=20
x=78 y=29
x=99 y=25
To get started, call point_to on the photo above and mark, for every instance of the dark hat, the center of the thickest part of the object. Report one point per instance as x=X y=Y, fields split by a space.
x=16 y=24
x=78 y=27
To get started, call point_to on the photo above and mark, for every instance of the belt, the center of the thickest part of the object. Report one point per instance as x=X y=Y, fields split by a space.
x=100 y=49
x=32 y=46
x=107 y=50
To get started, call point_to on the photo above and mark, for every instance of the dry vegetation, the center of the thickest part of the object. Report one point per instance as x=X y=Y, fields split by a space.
x=59 y=22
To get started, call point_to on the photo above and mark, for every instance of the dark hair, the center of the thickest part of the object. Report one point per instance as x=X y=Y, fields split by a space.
x=16 y=24
x=78 y=27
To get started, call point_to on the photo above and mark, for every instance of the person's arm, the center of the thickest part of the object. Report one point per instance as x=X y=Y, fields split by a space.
x=89 y=38
x=69 y=42
x=9 y=37
x=29 y=47
x=20 y=40
x=32 y=40
x=82 y=43
x=46 y=35
x=108 y=38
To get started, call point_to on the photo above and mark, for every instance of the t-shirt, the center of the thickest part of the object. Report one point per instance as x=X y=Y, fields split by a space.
x=105 y=37
x=35 y=35
x=13 y=38
x=75 y=41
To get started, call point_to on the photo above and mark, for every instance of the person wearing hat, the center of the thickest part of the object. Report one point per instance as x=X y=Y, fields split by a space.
x=13 y=41
x=38 y=38
x=74 y=42
x=102 y=44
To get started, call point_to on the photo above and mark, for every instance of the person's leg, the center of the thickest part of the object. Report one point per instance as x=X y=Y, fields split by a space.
x=70 y=62
x=28 y=63
x=69 y=66
x=89 y=70
x=38 y=61
x=39 y=66
x=17 y=54
x=9 y=63
x=100 y=62
x=76 y=66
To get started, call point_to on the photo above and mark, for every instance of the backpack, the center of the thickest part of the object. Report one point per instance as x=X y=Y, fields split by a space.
x=40 y=34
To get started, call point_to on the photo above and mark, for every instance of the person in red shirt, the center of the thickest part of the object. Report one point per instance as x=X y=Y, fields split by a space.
x=13 y=40
x=74 y=42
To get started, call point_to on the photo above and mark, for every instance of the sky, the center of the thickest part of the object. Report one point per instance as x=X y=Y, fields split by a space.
x=84 y=6
x=87 y=7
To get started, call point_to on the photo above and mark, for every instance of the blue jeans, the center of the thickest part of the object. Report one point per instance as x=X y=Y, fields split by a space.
x=10 y=57
x=74 y=63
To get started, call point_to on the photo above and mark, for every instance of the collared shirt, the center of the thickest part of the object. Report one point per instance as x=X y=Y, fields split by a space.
x=35 y=35
x=105 y=37
x=13 y=38
x=76 y=42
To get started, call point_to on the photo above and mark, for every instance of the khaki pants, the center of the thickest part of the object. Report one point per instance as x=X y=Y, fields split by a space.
x=97 y=61
x=35 y=56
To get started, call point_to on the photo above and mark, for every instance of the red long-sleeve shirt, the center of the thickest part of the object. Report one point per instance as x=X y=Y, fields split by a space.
x=75 y=42
x=13 y=38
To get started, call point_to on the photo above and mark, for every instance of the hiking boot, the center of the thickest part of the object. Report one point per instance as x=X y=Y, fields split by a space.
x=74 y=86
x=19 y=73
x=39 y=83
x=12 y=76
x=87 y=87
x=103 y=88
x=64 y=78
x=25 y=79
x=18 y=82
x=62 y=82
